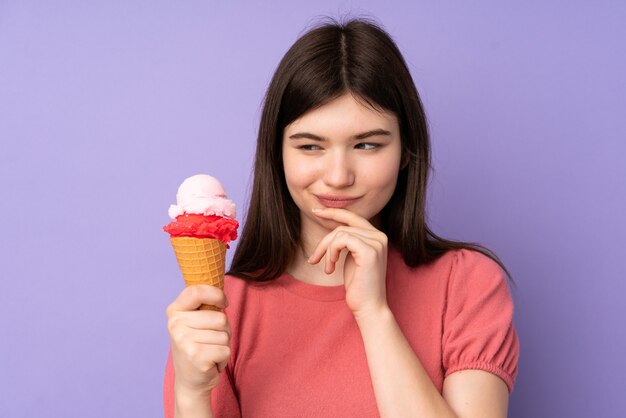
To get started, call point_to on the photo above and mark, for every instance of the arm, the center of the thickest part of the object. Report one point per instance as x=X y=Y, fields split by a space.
x=192 y=405
x=403 y=388
x=401 y=385
x=180 y=402
x=177 y=403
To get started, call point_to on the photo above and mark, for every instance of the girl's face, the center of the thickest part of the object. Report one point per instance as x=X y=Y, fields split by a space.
x=341 y=155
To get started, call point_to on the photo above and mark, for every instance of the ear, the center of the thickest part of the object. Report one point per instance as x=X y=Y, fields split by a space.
x=406 y=158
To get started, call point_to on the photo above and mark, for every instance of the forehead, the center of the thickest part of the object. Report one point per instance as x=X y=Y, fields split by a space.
x=344 y=113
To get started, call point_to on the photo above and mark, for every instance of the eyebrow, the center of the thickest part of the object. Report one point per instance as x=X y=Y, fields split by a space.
x=363 y=135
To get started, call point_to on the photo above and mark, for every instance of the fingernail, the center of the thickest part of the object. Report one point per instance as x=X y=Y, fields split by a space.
x=317 y=209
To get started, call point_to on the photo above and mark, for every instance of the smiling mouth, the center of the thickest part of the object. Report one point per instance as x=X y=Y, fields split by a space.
x=341 y=202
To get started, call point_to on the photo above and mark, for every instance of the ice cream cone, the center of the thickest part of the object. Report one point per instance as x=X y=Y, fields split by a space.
x=201 y=261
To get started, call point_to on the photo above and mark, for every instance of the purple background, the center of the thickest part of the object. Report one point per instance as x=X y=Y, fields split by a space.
x=106 y=106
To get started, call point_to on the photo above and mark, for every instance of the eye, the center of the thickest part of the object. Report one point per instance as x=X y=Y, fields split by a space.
x=367 y=145
x=309 y=147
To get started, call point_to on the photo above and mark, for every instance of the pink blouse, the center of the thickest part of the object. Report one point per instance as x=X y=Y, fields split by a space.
x=297 y=351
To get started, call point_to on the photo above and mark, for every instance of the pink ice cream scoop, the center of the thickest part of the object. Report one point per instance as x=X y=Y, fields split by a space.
x=202 y=195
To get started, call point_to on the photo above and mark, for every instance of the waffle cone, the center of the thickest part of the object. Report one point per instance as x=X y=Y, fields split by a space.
x=201 y=261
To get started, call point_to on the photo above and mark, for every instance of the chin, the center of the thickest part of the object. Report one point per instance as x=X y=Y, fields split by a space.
x=329 y=224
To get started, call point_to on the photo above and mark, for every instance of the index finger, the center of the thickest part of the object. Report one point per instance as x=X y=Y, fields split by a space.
x=343 y=216
x=192 y=297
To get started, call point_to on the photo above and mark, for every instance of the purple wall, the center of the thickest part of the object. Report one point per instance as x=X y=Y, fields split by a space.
x=106 y=106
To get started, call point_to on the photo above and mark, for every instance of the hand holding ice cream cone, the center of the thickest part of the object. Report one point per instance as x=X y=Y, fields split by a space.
x=199 y=340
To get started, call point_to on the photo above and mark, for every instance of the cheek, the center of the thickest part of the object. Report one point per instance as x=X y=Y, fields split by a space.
x=293 y=174
x=298 y=174
x=389 y=176
x=382 y=183
x=384 y=174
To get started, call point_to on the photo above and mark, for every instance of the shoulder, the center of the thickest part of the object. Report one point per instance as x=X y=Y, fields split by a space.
x=462 y=264
x=478 y=301
x=241 y=292
x=234 y=283
x=474 y=273
x=457 y=278
x=238 y=287
x=473 y=261
x=450 y=279
x=246 y=299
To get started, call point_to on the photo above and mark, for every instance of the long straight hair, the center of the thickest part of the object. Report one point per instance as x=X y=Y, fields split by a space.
x=360 y=58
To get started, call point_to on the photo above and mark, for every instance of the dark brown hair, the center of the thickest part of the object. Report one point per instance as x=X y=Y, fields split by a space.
x=332 y=59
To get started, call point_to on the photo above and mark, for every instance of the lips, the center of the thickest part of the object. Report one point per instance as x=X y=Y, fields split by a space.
x=336 y=201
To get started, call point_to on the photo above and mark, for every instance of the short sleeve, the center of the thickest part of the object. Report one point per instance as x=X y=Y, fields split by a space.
x=223 y=398
x=478 y=322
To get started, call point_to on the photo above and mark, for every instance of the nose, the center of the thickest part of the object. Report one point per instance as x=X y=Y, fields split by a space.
x=338 y=172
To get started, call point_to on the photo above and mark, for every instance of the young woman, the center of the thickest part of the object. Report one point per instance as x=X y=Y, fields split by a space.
x=341 y=301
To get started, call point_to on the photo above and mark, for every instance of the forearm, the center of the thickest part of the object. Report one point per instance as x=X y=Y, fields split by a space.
x=192 y=405
x=401 y=385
